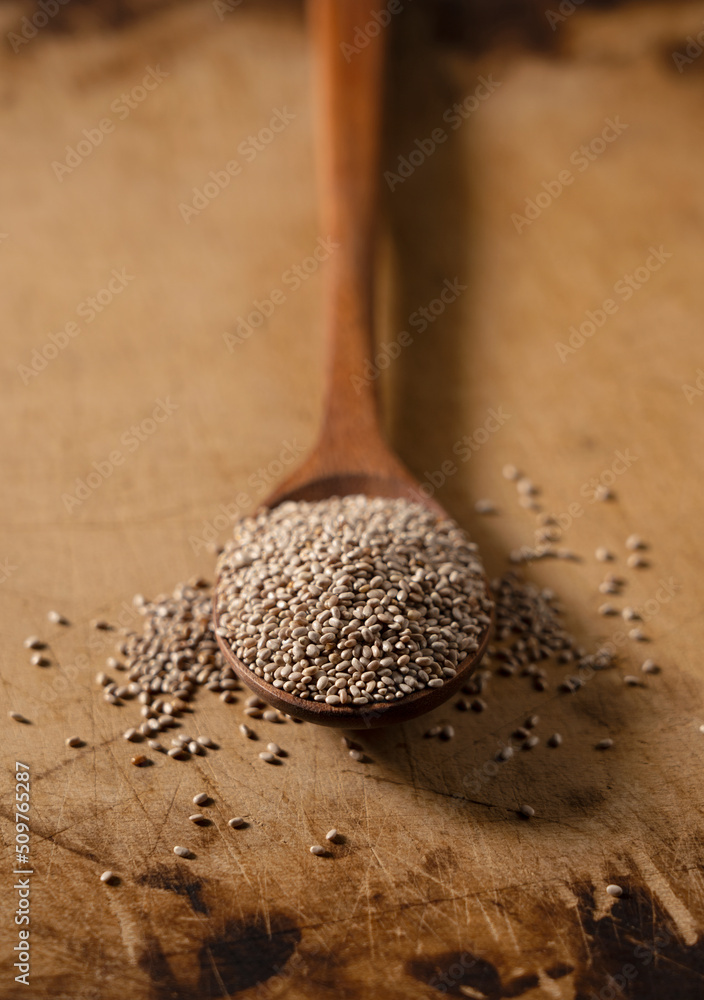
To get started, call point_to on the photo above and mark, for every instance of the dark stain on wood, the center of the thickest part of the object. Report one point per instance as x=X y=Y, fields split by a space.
x=634 y=952
x=246 y=953
x=174 y=880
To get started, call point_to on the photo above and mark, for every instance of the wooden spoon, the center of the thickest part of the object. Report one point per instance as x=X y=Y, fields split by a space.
x=350 y=455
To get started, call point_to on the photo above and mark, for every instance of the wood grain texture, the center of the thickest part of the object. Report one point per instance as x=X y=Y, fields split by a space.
x=437 y=875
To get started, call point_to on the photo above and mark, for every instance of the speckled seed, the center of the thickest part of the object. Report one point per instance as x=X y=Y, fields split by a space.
x=650 y=667
x=318 y=850
x=432 y=732
x=255 y=702
x=200 y=799
x=253 y=713
x=485 y=507
x=270 y=758
x=526 y=811
x=603 y=555
x=348 y=617
x=235 y=822
x=271 y=715
x=197 y=818
x=555 y=740
x=356 y=755
x=477 y=704
x=604 y=744
x=178 y=753
x=636 y=562
x=74 y=741
x=107 y=876
x=156 y=745
x=638 y=634
x=532 y=721
x=634 y=542
x=246 y=731
x=57 y=619
x=33 y=642
x=630 y=615
x=614 y=890
x=447 y=732
x=331 y=835
x=132 y=735
x=274 y=748
x=205 y=741
x=182 y=852
x=531 y=742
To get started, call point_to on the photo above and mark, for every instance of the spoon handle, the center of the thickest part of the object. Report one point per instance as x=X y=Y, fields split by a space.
x=349 y=47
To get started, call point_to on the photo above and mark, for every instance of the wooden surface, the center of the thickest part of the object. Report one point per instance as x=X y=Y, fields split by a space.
x=437 y=875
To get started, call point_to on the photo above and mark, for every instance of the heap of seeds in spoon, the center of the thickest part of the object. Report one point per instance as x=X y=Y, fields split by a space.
x=351 y=600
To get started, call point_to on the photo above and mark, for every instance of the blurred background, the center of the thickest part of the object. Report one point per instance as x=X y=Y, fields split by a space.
x=540 y=302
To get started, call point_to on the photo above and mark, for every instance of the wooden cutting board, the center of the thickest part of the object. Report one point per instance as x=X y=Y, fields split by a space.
x=161 y=326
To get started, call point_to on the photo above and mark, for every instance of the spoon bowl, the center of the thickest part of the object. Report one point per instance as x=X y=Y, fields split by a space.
x=398 y=484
